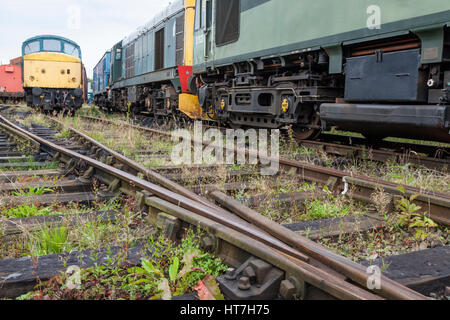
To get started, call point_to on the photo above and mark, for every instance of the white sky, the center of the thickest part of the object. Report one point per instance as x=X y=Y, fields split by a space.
x=99 y=25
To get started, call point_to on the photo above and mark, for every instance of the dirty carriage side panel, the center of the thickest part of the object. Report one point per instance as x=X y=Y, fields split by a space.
x=175 y=41
x=130 y=60
x=138 y=57
x=179 y=40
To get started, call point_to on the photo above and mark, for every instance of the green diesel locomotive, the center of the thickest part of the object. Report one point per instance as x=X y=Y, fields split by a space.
x=379 y=67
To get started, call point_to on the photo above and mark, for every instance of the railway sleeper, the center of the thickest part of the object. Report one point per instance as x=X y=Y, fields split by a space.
x=426 y=271
x=9 y=153
x=228 y=187
x=25 y=165
x=330 y=228
x=13 y=176
x=84 y=198
x=12 y=227
x=13 y=158
x=60 y=185
x=19 y=276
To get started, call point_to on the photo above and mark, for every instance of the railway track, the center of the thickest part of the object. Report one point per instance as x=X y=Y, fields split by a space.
x=239 y=233
x=355 y=148
x=357 y=186
x=421 y=155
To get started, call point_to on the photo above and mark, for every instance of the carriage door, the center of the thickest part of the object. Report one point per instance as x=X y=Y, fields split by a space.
x=202 y=31
x=159 y=49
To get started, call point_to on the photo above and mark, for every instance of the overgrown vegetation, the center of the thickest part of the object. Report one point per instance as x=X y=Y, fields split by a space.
x=410 y=217
x=75 y=232
x=166 y=269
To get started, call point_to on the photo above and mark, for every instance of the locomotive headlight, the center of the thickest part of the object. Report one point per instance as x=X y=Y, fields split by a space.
x=74 y=79
x=285 y=105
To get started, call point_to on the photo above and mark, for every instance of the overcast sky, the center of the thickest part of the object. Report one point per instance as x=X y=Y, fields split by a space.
x=96 y=25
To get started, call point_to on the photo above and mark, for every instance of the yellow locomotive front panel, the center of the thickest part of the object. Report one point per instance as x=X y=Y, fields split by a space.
x=52 y=70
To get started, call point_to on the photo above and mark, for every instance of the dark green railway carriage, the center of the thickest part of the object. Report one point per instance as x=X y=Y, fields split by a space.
x=380 y=67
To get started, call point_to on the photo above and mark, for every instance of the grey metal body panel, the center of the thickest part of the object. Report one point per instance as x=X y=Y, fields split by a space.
x=157 y=76
x=144 y=57
x=170 y=43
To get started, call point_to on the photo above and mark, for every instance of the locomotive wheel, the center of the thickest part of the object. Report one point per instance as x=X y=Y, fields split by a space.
x=304 y=133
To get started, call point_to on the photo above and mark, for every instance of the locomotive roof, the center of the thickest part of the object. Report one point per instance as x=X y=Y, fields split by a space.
x=51 y=37
x=172 y=9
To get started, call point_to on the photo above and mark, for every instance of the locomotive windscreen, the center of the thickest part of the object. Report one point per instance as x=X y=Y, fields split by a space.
x=227 y=21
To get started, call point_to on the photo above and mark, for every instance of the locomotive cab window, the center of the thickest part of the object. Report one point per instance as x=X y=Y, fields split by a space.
x=52 y=45
x=70 y=49
x=227 y=21
x=118 y=54
x=198 y=15
x=32 y=47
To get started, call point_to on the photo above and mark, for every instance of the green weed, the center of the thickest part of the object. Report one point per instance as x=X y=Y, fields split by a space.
x=26 y=211
x=32 y=191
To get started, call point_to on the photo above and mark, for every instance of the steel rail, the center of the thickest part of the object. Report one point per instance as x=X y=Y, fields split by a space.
x=287 y=162
x=377 y=154
x=417 y=147
x=389 y=288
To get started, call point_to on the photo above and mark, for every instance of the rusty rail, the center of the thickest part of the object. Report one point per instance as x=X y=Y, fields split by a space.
x=389 y=288
x=377 y=155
